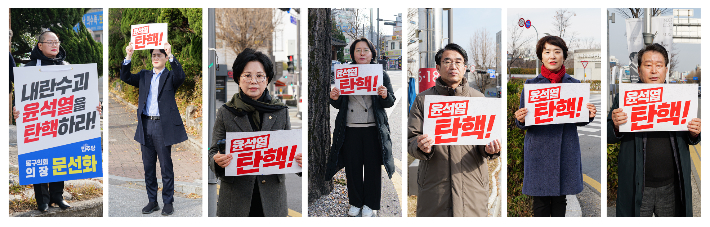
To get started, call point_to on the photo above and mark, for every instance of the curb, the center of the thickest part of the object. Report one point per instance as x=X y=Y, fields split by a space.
x=195 y=143
x=87 y=208
x=182 y=187
x=573 y=207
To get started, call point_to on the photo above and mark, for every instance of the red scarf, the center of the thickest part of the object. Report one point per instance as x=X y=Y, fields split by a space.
x=553 y=77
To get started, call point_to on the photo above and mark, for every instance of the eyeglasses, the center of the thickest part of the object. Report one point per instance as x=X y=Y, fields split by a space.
x=248 y=77
x=52 y=43
x=458 y=64
x=364 y=51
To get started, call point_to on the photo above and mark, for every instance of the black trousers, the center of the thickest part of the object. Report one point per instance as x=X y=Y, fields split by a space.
x=49 y=192
x=153 y=150
x=362 y=149
x=549 y=206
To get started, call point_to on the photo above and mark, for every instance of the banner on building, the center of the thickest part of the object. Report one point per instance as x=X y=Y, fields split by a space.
x=556 y=103
x=58 y=130
x=358 y=79
x=658 y=107
x=149 y=36
x=661 y=27
x=455 y=120
x=263 y=153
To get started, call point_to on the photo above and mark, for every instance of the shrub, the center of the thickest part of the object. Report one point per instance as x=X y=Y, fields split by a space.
x=612 y=176
x=519 y=204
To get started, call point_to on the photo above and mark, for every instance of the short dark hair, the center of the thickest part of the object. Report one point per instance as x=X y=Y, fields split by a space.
x=653 y=47
x=369 y=45
x=250 y=55
x=552 y=40
x=161 y=51
x=42 y=35
x=454 y=47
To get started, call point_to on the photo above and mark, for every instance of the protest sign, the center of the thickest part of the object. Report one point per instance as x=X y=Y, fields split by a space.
x=149 y=36
x=658 y=107
x=263 y=153
x=456 y=120
x=358 y=79
x=556 y=103
x=58 y=131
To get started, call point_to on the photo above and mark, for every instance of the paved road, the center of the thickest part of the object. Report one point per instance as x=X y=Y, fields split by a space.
x=391 y=188
x=123 y=203
x=590 y=142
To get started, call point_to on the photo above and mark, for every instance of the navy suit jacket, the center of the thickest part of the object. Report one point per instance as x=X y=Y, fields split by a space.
x=170 y=81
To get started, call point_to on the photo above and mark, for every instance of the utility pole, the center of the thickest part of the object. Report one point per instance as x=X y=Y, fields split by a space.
x=212 y=179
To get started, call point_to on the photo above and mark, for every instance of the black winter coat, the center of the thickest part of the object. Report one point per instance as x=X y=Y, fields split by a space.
x=631 y=169
x=336 y=160
x=37 y=54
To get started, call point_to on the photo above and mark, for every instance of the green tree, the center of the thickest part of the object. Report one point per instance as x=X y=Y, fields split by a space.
x=338 y=34
x=81 y=48
x=184 y=35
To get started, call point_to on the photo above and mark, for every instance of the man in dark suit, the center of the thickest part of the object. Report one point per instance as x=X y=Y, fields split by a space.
x=159 y=122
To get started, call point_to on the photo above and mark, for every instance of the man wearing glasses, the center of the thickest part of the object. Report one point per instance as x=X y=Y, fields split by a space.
x=452 y=179
x=159 y=122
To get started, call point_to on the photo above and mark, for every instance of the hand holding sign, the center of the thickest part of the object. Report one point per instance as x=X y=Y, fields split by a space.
x=557 y=103
x=359 y=79
x=262 y=153
x=382 y=92
x=694 y=127
x=223 y=160
x=168 y=49
x=335 y=93
x=129 y=51
x=618 y=117
x=456 y=120
x=520 y=114
x=658 y=107
x=493 y=147
x=424 y=142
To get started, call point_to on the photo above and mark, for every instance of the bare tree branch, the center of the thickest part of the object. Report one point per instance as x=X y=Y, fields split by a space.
x=240 y=28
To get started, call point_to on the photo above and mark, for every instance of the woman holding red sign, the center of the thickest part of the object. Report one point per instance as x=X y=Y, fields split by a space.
x=362 y=138
x=553 y=162
x=250 y=110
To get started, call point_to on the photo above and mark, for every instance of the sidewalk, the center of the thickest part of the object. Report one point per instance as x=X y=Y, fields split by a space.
x=127 y=194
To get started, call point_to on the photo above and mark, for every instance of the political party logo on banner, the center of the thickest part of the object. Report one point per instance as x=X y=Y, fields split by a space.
x=358 y=79
x=556 y=103
x=455 y=120
x=149 y=36
x=658 y=107
x=58 y=131
x=263 y=153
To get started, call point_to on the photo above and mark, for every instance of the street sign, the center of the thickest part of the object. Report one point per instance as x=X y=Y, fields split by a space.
x=521 y=22
x=695 y=78
x=528 y=24
x=492 y=73
x=584 y=64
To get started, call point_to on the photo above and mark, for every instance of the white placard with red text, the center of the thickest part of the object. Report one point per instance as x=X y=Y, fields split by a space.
x=358 y=79
x=149 y=36
x=59 y=128
x=263 y=153
x=556 y=103
x=658 y=107
x=456 y=120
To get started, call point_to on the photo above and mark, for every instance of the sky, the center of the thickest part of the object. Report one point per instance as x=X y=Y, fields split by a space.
x=468 y=21
x=689 y=54
x=587 y=22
